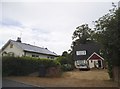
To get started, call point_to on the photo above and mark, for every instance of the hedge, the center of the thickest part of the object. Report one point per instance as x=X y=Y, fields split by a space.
x=65 y=63
x=25 y=65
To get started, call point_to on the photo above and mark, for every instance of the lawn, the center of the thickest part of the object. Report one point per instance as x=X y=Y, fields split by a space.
x=76 y=78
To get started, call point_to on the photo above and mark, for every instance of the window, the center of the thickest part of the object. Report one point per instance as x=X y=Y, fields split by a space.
x=91 y=61
x=10 y=54
x=11 y=45
x=35 y=55
x=52 y=57
x=4 y=53
x=81 y=52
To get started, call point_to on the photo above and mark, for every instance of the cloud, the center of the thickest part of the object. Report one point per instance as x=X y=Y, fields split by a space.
x=10 y=22
x=47 y=24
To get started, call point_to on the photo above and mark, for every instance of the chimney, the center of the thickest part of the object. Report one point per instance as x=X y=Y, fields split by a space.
x=18 y=39
x=45 y=48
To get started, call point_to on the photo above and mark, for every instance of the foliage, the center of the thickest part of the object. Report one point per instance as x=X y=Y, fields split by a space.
x=82 y=34
x=108 y=34
x=25 y=65
x=62 y=60
x=66 y=61
x=65 y=53
x=67 y=67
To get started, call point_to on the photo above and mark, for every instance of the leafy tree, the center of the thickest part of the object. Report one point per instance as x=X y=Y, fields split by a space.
x=66 y=61
x=65 y=53
x=107 y=29
x=81 y=34
x=108 y=34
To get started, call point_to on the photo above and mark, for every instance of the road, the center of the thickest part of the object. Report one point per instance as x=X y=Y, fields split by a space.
x=9 y=83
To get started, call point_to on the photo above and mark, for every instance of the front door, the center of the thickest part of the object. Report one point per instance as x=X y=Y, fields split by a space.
x=99 y=63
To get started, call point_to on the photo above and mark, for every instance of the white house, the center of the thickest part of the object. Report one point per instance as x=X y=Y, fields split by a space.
x=17 y=48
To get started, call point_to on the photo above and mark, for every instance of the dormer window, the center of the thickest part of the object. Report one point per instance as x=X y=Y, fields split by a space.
x=81 y=52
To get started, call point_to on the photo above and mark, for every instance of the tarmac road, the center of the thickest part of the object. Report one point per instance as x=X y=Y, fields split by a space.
x=13 y=84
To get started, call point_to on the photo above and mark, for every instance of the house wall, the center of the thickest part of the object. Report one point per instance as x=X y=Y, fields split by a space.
x=94 y=63
x=30 y=54
x=16 y=50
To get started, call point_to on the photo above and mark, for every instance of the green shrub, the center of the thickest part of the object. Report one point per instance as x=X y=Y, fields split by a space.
x=25 y=65
x=67 y=67
x=66 y=64
x=62 y=60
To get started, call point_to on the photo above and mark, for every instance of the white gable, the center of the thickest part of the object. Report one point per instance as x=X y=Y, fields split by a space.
x=11 y=48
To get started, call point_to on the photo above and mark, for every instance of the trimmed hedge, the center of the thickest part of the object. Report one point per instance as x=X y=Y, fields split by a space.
x=25 y=65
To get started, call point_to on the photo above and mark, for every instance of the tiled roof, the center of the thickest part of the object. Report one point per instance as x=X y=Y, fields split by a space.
x=32 y=48
x=89 y=47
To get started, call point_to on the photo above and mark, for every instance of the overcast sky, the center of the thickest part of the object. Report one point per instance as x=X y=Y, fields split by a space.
x=47 y=24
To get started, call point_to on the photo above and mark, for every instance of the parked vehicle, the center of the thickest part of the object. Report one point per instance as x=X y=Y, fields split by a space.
x=84 y=67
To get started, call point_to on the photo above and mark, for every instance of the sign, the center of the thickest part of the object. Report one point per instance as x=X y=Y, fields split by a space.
x=81 y=52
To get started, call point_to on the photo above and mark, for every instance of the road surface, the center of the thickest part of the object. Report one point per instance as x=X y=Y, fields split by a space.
x=9 y=83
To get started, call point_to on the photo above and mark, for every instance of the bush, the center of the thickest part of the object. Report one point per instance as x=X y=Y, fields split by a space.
x=67 y=67
x=66 y=64
x=62 y=60
x=25 y=65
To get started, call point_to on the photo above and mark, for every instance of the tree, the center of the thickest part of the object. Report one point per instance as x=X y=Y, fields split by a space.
x=107 y=30
x=82 y=34
x=65 y=53
x=108 y=34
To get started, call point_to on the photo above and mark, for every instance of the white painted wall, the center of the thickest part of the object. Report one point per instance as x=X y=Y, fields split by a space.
x=40 y=55
x=92 y=63
x=17 y=51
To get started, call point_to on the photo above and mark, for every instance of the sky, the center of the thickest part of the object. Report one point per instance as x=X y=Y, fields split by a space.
x=49 y=23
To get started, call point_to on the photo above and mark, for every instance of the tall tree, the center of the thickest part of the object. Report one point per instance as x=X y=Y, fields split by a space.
x=81 y=35
x=107 y=30
x=108 y=34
